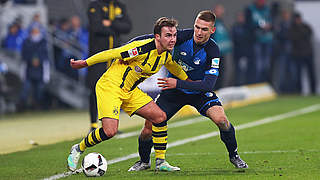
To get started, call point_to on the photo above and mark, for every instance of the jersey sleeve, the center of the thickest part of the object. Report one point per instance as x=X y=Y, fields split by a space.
x=175 y=69
x=124 y=52
x=213 y=59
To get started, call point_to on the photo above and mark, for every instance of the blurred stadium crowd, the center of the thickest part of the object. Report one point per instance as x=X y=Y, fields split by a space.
x=266 y=43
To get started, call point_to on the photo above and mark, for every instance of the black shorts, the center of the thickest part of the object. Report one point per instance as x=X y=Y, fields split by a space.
x=171 y=101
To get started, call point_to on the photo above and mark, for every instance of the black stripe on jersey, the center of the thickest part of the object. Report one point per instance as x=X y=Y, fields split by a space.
x=125 y=75
x=155 y=65
x=165 y=60
x=146 y=60
x=137 y=83
x=141 y=49
x=147 y=47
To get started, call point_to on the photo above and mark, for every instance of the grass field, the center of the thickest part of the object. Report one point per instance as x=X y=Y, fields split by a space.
x=278 y=145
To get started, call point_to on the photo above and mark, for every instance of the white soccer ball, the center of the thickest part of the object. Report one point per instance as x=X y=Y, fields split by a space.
x=94 y=164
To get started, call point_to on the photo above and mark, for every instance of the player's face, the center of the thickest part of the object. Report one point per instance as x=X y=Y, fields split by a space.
x=168 y=38
x=202 y=31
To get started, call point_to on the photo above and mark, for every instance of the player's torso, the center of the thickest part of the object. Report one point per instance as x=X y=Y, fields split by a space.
x=138 y=69
x=192 y=62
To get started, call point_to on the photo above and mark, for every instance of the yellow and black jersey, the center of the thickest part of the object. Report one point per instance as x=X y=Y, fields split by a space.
x=134 y=63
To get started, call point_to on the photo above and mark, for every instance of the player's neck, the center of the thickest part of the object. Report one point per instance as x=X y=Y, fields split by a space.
x=160 y=49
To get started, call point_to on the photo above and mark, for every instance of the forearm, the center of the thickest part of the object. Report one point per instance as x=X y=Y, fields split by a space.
x=204 y=85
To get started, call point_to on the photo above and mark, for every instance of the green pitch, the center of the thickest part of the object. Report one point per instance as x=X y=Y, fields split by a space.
x=284 y=146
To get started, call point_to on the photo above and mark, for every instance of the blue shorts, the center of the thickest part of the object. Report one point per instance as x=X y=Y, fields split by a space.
x=171 y=101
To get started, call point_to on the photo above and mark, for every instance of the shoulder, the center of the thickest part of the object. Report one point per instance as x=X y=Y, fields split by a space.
x=136 y=48
x=212 y=48
x=184 y=35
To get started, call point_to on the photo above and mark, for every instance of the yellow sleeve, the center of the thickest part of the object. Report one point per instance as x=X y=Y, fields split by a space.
x=175 y=69
x=104 y=56
x=125 y=53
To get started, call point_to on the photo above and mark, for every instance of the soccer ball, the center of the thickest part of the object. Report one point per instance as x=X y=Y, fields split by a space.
x=94 y=164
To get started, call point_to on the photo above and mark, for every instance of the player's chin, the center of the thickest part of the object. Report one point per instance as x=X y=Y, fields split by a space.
x=170 y=48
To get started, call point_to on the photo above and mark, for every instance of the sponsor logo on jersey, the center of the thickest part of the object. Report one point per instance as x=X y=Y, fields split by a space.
x=183 y=53
x=138 y=69
x=196 y=61
x=213 y=72
x=215 y=62
x=133 y=52
x=185 y=66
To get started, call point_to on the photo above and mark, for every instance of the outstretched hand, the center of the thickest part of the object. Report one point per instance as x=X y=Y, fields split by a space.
x=167 y=83
x=78 y=64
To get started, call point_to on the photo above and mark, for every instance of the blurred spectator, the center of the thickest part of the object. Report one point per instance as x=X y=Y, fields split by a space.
x=107 y=20
x=300 y=34
x=222 y=37
x=284 y=67
x=14 y=38
x=258 y=19
x=36 y=21
x=36 y=71
x=79 y=38
x=242 y=51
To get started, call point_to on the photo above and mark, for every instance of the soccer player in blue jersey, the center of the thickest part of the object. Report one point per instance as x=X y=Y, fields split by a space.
x=199 y=55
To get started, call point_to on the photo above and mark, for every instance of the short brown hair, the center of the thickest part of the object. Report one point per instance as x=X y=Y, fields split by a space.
x=162 y=22
x=207 y=16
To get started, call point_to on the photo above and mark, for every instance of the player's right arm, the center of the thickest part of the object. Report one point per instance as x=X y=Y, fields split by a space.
x=104 y=56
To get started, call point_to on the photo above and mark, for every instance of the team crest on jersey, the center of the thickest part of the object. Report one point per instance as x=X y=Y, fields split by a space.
x=183 y=53
x=138 y=69
x=215 y=62
x=133 y=52
x=196 y=61
x=115 y=110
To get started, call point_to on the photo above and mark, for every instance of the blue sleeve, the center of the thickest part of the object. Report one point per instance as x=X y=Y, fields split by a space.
x=142 y=37
x=206 y=85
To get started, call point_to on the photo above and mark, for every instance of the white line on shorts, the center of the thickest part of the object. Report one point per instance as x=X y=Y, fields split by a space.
x=267 y=120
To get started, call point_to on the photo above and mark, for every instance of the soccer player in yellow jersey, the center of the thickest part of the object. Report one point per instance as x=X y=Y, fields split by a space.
x=117 y=87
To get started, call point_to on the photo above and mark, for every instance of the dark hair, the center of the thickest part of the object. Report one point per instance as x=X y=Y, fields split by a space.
x=164 y=22
x=207 y=16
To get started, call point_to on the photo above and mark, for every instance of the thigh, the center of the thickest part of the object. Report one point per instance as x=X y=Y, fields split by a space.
x=135 y=100
x=203 y=101
x=108 y=101
x=171 y=101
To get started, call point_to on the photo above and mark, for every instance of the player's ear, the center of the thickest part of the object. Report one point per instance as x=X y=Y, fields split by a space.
x=213 y=30
x=157 y=36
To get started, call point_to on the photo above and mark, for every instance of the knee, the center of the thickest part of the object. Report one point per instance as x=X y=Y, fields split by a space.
x=110 y=132
x=161 y=117
x=222 y=122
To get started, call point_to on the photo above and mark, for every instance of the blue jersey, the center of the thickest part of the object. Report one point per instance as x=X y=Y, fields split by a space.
x=196 y=60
